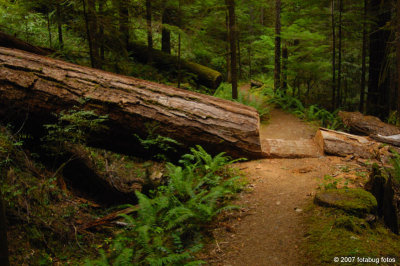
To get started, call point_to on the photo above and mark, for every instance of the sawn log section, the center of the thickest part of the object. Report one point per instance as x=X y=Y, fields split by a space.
x=32 y=87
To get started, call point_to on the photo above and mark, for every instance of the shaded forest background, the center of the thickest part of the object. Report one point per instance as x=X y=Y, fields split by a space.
x=337 y=54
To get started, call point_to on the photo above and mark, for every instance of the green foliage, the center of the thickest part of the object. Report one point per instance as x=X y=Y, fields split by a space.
x=393 y=118
x=395 y=162
x=168 y=226
x=224 y=91
x=73 y=126
x=310 y=113
x=155 y=142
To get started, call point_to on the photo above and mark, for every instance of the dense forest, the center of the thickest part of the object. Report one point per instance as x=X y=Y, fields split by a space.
x=124 y=126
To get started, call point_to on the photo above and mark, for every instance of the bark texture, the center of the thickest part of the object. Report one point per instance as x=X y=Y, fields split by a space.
x=367 y=125
x=32 y=87
x=163 y=61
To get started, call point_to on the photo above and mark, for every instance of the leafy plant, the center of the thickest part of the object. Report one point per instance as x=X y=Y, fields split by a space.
x=168 y=226
x=158 y=142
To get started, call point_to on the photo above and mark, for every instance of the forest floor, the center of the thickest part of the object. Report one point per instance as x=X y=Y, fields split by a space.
x=271 y=227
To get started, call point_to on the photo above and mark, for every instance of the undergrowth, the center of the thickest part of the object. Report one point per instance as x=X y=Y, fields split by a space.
x=167 y=229
x=311 y=113
x=224 y=91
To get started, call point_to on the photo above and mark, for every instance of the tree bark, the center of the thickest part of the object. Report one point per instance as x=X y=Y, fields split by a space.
x=124 y=21
x=378 y=83
x=364 y=57
x=149 y=30
x=285 y=61
x=333 y=56
x=398 y=56
x=367 y=125
x=88 y=34
x=228 y=50
x=59 y=25
x=339 y=87
x=38 y=86
x=233 y=35
x=277 y=70
x=166 y=33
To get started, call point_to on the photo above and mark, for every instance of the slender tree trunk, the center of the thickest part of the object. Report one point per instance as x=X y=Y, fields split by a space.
x=165 y=33
x=285 y=61
x=85 y=14
x=59 y=26
x=101 y=30
x=277 y=71
x=398 y=55
x=93 y=32
x=333 y=56
x=179 y=45
x=233 y=35
x=49 y=29
x=4 y=258
x=124 y=21
x=149 y=30
x=239 y=58
x=228 y=50
x=364 y=57
x=339 y=87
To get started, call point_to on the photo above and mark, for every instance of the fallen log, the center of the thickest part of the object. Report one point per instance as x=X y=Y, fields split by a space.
x=343 y=144
x=367 y=125
x=10 y=41
x=33 y=87
x=203 y=75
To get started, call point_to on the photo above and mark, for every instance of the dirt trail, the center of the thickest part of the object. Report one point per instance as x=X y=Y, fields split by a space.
x=271 y=227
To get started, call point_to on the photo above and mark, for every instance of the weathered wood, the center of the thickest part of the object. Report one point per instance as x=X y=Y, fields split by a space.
x=32 y=87
x=163 y=61
x=256 y=84
x=10 y=41
x=282 y=148
x=367 y=125
x=343 y=144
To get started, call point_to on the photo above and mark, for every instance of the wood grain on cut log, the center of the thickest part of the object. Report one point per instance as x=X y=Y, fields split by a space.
x=367 y=125
x=343 y=144
x=33 y=87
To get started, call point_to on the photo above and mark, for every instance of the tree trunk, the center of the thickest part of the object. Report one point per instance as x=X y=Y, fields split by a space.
x=339 y=87
x=285 y=60
x=398 y=56
x=228 y=50
x=364 y=57
x=88 y=34
x=93 y=30
x=333 y=57
x=124 y=21
x=149 y=30
x=59 y=25
x=166 y=33
x=4 y=258
x=378 y=83
x=203 y=75
x=101 y=30
x=49 y=28
x=38 y=87
x=277 y=70
x=233 y=35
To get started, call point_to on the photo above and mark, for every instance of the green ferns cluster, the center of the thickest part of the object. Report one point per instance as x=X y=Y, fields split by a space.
x=312 y=113
x=167 y=228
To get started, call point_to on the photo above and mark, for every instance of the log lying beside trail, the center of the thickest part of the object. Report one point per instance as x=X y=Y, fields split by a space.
x=32 y=87
x=163 y=61
x=367 y=125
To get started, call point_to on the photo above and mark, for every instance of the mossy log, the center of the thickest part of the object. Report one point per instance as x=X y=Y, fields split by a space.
x=203 y=75
x=33 y=87
x=354 y=201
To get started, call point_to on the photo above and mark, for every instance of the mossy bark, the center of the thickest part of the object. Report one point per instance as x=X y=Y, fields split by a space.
x=203 y=75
